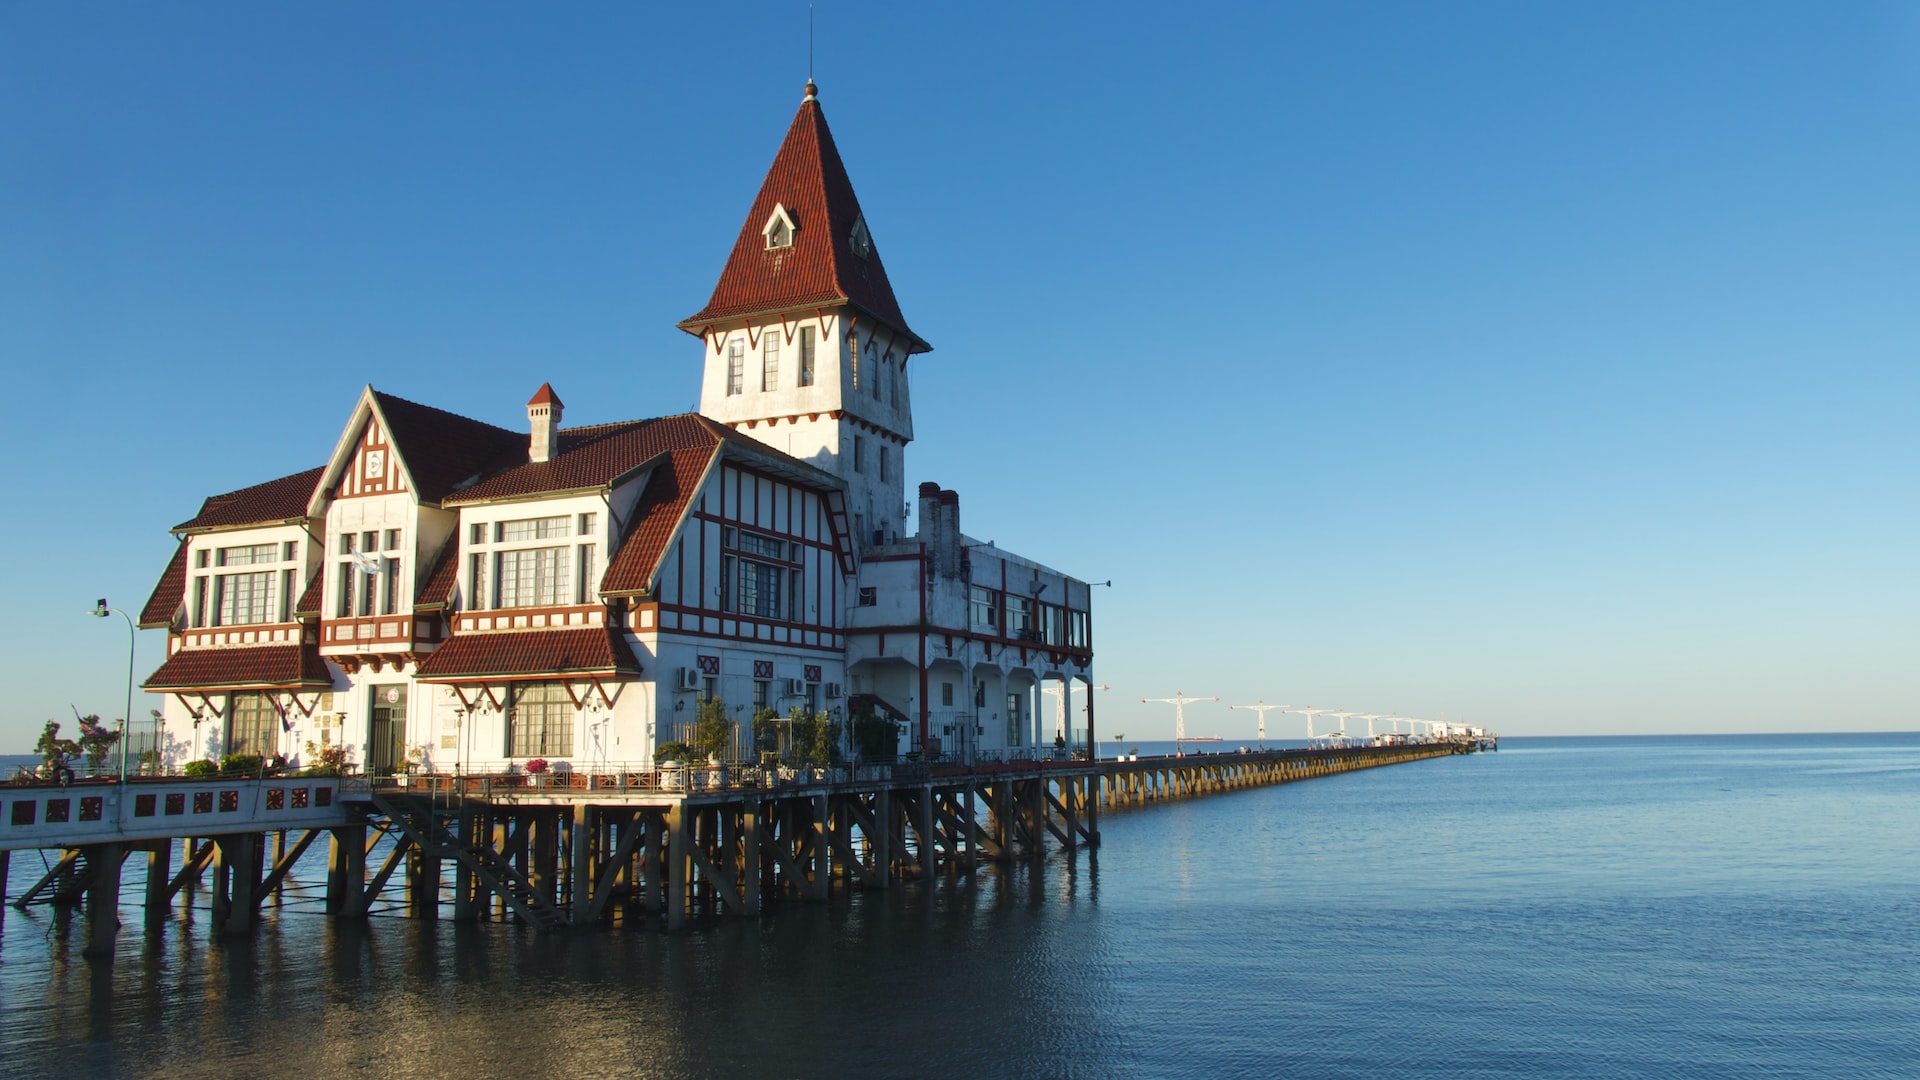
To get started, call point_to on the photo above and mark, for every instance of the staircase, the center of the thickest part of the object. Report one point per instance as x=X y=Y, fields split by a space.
x=430 y=835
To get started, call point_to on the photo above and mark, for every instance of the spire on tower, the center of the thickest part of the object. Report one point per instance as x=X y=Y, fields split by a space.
x=828 y=258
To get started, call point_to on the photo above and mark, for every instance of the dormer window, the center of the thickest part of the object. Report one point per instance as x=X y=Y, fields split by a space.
x=779 y=228
x=860 y=239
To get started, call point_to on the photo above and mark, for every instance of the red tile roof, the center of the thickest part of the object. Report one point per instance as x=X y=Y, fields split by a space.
x=266 y=667
x=546 y=396
x=821 y=268
x=310 y=598
x=659 y=512
x=592 y=457
x=444 y=450
x=531 y=653
x=270 y=503
x=169 y=595
x=436 y=585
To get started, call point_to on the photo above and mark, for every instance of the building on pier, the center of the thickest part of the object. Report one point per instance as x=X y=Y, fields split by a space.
x=464 y=596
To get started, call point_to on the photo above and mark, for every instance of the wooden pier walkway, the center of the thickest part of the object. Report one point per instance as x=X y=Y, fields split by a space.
x=645 y=849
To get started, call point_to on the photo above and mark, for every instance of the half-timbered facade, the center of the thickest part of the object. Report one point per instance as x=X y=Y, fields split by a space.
x=463 y=596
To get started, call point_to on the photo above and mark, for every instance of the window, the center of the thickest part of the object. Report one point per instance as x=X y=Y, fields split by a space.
x=869 y=596
x=242 y=599
x=984 y=608
x=709 y=688
x=894 y=387
x=853 y=354
x=1015 y=728
x=806 y=356
x=1077 y=630
x=752 y=581
x=200 y=559
x=980 y=694
x=544 y=528
x=289 y=551
x=247 y=556
x=589 y=523
x=477 y=581
x=1019 y=616
x=778 y=229
x=873 y=384
x=859 y=453
x=393 y=540
x=762 y=694
x=200 y=600
x=860 y=239
x=885 y=471
x=531 y=577
x=347 y=574
x=390 y=586
x=477 y=533
x=736 y=366
x=770 y=361
x=583 y=594
x=946 y=693
x=540 y=721
x=253 y=724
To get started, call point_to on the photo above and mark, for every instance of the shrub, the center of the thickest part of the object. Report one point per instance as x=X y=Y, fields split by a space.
x=672 y=751
x=241 y=765
x=200 y=770
x=325 y=760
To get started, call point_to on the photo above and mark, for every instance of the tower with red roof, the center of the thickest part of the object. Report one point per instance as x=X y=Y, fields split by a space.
x=805 y=346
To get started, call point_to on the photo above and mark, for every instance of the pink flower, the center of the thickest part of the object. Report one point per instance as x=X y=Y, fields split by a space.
x=537 y=765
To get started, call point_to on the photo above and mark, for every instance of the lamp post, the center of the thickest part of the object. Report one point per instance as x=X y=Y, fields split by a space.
x=100 y=610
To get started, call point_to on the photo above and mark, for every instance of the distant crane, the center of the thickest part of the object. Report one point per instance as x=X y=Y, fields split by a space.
x=1369 y=718
x=1062 y=728
x=1263 y=709
x=1309 y=713
x=1341 y=735
x=1179 y=701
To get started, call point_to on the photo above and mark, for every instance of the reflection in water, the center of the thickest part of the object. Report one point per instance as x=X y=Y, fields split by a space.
x=1525 y=912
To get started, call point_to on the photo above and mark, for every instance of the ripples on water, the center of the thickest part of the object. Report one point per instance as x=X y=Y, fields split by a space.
x=1601 y=907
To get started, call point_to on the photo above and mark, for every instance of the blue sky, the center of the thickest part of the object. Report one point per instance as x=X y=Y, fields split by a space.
x=1549 y=367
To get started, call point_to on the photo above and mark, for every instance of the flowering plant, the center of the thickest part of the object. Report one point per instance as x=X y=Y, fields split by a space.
x=537 y=765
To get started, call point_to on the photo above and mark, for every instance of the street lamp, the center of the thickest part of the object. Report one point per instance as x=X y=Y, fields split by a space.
x=100 y=610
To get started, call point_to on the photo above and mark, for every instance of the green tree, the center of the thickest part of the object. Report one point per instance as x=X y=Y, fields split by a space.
x=55 y=752
x=712 y=731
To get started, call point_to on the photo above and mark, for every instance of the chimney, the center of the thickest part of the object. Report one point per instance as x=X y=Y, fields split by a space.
x=948 y=541
x=929 y=513
x=543 y=415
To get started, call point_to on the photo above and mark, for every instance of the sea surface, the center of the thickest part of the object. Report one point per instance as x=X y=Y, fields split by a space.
x=1731 y=906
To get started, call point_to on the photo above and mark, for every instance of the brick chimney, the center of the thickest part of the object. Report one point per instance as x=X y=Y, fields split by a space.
x=543 y=415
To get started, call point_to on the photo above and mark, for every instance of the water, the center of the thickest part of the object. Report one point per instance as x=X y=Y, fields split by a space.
x=1724 y=906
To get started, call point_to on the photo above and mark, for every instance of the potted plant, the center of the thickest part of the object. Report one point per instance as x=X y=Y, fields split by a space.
x=537 y=772
x=671 y=759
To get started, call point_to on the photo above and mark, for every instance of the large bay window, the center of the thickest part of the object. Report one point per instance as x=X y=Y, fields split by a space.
x=261 y=594
x=540 y=721
x=253 y=724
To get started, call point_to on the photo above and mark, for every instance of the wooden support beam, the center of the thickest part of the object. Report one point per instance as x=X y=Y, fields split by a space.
x=679 y=860
x=103 y=898
x=346 y=872
x=750 y=856
x=284 y=860
x=159 y=893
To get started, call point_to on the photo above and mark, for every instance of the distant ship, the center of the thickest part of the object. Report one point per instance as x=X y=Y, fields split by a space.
x=1201 y=738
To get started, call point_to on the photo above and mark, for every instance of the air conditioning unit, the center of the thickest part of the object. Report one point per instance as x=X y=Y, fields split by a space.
x=833 y=690
x=689 y=678
x=793 y=688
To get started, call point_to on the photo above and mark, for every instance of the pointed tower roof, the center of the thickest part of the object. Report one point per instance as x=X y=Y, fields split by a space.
x=828 y=258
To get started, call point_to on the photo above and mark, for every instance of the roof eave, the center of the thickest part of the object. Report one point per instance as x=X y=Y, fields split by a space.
x=698 y=325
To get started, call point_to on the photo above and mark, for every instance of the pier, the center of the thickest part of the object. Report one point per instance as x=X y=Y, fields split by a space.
x=656 y=849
